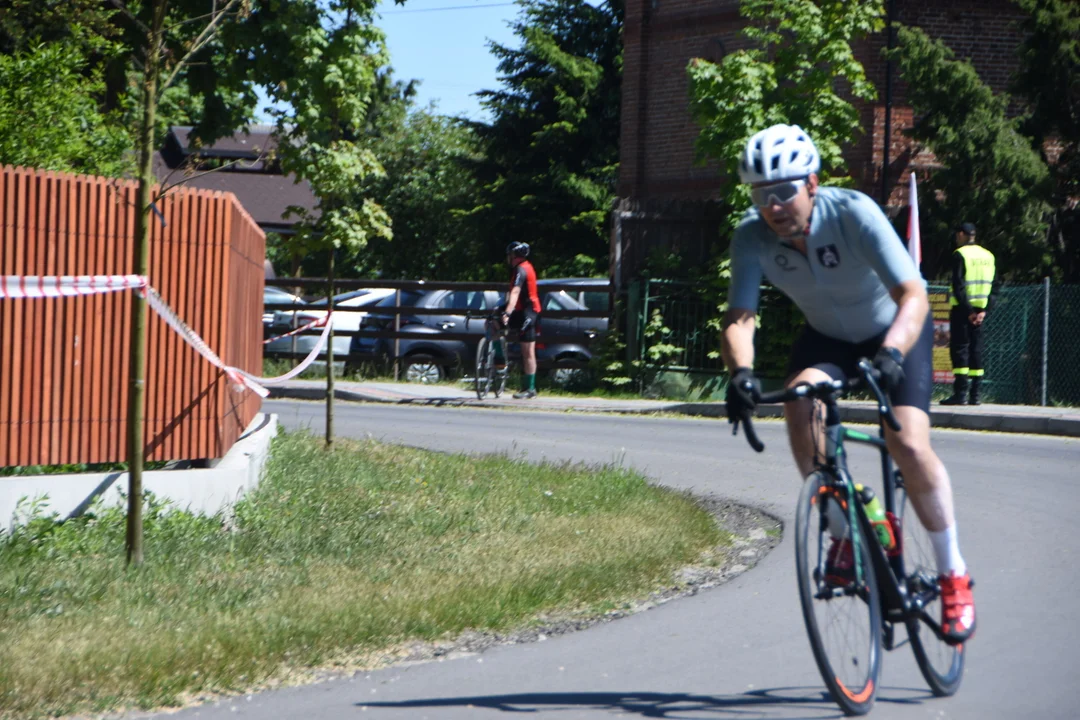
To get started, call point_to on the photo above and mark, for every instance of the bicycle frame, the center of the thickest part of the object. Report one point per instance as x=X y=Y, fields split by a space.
x=895 y=603
x=898 y=605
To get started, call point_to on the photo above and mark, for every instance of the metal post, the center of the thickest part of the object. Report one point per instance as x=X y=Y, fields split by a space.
x=1046 y=334
x=632 y=321
x=330 y=351
x=397 y=329
x=888 y=108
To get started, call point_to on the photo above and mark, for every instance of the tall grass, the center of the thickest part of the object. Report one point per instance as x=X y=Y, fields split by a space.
x=336 y=555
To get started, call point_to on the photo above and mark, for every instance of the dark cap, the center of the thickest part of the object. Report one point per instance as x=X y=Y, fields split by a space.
x=966 y=228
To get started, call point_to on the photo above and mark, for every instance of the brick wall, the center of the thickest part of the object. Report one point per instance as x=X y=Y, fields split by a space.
x=661 y=36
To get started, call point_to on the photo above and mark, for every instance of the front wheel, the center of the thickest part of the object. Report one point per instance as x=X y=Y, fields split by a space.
x=842 y=614
x=483 y=381
x=941 y=664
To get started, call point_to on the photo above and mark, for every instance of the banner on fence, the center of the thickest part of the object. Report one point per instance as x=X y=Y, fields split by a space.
x=939 y=306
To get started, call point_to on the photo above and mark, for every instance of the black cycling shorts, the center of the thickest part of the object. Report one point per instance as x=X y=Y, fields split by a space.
x=812 y=349
x=527 y=322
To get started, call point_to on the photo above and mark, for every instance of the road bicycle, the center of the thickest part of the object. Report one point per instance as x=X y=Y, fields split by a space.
x=852 y=609
x=489 y=377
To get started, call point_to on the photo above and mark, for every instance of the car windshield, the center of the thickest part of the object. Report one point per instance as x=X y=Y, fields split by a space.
x=561 y=301
x=347 y=296
x=277 y=295
x=408 y=297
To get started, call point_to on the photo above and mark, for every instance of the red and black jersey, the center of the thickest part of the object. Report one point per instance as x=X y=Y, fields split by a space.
x=524 y=276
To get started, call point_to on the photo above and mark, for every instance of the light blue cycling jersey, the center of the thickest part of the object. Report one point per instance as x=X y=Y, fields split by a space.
x=854 y=257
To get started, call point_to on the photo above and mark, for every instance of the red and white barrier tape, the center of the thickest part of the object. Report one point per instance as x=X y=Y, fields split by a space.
x=313 y=324
x=51 y=286
x=236 y=375
x=280 y=379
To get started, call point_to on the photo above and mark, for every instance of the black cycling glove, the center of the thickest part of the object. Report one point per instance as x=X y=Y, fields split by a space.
x=890 y=363
x=740 y=400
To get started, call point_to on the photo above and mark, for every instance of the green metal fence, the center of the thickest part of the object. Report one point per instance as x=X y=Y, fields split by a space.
x=1031 y=339
x=1031 y=346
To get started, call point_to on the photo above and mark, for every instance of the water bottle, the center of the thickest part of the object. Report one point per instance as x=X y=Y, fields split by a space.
x=876 y=513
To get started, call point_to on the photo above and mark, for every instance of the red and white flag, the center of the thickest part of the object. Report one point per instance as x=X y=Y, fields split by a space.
x=914 y=241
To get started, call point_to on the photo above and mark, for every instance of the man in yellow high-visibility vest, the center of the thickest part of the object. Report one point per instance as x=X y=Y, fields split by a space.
x=972 y=282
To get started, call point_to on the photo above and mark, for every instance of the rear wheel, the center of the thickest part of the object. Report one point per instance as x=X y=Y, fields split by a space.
x=483 y=380
x=843 y=619
x=941 y=664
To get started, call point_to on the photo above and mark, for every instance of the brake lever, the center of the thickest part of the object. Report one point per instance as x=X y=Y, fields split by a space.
x=884 y=406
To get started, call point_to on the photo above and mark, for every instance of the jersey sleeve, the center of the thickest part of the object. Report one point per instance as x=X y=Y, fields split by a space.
x=520 y=277
x=878 y=242
x=746 y=273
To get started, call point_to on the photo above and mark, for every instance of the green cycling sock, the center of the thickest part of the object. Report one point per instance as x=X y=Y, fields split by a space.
x=531 y=379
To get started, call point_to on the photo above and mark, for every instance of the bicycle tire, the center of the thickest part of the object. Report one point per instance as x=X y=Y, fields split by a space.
x=941 y=664
x=498 y=378
x=850 y=671
x=483 y=367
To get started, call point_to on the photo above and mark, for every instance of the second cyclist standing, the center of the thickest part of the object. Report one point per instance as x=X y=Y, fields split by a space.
x=522 y=312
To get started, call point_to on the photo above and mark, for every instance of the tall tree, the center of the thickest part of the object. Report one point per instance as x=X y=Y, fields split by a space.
x=800 y=69
x=1049 y=80
x=51 y=113
x=551 y=149
x=170 y=40
x=53 y=61
x=320 y=62
x=989 y=172
x=426 y=187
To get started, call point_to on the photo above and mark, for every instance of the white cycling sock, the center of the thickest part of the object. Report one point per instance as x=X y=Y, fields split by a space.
x=947 y=551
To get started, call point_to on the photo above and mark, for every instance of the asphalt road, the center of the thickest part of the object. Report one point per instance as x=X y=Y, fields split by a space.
x=738 y=650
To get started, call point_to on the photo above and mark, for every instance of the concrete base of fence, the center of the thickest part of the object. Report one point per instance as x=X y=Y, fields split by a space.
x=205 y=490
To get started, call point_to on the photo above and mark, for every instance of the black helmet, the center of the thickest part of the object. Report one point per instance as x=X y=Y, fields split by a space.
x=518 y=249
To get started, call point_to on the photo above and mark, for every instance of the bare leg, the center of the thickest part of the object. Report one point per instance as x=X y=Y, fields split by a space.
x=528 y=357
x=925 y=476
x=801 y=432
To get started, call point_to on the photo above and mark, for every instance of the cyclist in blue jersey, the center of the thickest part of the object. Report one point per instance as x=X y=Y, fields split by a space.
x=834 y=253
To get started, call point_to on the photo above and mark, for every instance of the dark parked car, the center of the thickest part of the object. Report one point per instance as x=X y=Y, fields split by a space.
x=593 y=293
x=560 y=348
x=427 y=359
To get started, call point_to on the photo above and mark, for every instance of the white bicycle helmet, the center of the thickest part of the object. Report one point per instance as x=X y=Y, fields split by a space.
x=781 y=152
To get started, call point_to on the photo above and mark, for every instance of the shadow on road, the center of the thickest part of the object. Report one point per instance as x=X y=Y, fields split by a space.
x=790 y=702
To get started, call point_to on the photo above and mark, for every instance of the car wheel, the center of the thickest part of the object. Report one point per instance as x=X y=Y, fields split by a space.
x=570 y=377
x=423 y=370
x=564 y=377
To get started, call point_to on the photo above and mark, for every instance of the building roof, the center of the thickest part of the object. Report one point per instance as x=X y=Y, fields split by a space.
x=263 y=191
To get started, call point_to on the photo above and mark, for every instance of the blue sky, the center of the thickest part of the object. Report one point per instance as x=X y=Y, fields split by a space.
x=444 y=43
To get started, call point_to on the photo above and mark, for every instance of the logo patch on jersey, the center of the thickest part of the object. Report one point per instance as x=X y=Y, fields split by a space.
x=828 y=256
x=784 y=263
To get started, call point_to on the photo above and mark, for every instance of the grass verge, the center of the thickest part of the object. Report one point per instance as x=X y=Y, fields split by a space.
x=335 y=556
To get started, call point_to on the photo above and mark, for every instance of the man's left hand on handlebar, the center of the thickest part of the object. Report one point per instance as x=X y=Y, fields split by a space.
x=741 y=400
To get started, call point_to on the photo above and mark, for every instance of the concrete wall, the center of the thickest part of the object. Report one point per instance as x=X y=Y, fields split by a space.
x=199 y=490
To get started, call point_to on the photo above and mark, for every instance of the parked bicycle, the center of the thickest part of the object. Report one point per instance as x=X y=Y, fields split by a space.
x=490 y=377
x=855 y=589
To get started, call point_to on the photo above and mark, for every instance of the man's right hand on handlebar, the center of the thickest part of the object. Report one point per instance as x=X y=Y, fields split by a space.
x=743 y=392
